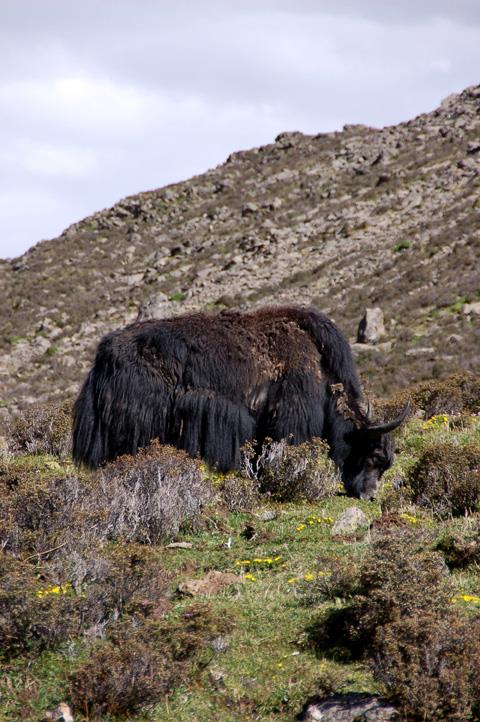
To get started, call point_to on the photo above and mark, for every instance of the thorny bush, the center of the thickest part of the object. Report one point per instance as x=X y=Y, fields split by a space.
x=287 y=472
x=446 y=479
x=43 y=429
x=76 y=595
x=429 y=664
x=139 y=664
x=145 y=499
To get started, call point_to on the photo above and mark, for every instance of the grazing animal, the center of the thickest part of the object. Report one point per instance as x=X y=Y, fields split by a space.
x=208 y=383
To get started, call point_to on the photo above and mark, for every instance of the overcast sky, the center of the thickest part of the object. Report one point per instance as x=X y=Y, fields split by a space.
x=100 y=99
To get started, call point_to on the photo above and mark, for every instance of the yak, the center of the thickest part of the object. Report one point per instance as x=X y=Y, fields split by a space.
x=208 y=383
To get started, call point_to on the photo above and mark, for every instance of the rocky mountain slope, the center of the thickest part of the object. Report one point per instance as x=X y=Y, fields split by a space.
x=345 y=220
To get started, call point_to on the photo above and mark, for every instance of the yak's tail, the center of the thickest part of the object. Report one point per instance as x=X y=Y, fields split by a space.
x=121 y=407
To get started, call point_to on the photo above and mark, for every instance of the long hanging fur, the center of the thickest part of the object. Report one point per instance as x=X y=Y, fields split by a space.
x=208 y=383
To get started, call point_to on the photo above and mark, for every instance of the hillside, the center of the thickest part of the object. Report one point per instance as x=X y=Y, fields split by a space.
x=344 y=220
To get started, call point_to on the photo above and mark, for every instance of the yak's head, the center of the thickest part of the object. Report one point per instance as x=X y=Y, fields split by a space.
x=370 y=454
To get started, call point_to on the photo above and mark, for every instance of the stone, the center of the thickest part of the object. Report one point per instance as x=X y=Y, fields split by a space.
x=372 y=327
x=473 y=147
x=209 y=585
x=267 y=515
x=40 y=345
x=180 y=545
x=62 y=712
x=217 y=677
x=157 y=306
x=420 y=351
x=350 y=708
x=169 y=195
x=472 y=308
x=249 y=208
x=350 y=522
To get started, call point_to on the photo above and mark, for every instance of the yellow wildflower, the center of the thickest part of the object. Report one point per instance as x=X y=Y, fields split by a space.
x=300 y=527
x=251 y=577
x=436 y=422
x=57 y=589
x=410 y=518
x=309 y=577
x=469 y=598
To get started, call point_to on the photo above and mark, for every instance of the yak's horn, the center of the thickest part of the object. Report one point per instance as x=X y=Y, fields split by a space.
x=369 y=409
x=387 y=426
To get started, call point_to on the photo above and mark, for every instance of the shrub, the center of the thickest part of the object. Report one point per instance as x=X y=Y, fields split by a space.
x=456 y=394
x=144 y=498
x=43 y=429
x=77 y=594
x=141 y=663
x=397 y=579
x=461 y=547
x=36 y=505
x=34 y=613
x=429 y=664
x=446 y=479
x=119 y=678
x=288 y=472
x=151 y=494
x=338 y=578
x=240 y=493
x=111 y=582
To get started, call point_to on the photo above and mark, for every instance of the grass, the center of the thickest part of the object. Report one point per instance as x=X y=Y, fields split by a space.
x=268 y=669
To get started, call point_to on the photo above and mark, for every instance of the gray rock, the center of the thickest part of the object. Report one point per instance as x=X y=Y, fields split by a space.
x=249 y=208
x=40 y=345
x=420 y=351
x=472 y=308
x=351 y=521
x=267 y=515
x=372 y=327
x=62 y=713
x=350 y=708
x=157 y=306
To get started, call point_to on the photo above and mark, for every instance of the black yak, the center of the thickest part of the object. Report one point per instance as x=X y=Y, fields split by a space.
x=208 y=383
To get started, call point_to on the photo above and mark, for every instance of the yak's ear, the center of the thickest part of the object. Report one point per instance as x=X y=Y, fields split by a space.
x=384 y=428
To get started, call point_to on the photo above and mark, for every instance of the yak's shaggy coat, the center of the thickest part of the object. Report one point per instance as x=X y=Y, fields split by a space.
x=208 y=383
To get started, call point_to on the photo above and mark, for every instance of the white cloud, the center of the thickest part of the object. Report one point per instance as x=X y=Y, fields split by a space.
x=100 y=100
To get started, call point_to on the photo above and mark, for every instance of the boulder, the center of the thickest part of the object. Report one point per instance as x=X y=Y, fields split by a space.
x=472 y=308
x=350 y=522
x=157 y=306
x=350 y=708
x=372 y=327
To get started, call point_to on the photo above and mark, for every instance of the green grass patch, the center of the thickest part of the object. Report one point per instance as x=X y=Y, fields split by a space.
x=403 y=246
